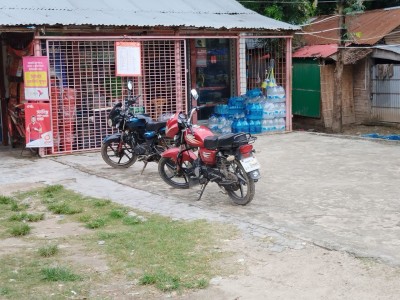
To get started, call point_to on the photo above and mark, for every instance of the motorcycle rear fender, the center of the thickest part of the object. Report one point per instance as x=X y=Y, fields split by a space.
x=174 y=152
x=116 y=137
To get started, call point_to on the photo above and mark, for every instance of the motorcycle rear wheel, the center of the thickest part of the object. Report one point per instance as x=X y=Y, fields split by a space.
x=168 y=172
x=117 y=156
x=243 y=191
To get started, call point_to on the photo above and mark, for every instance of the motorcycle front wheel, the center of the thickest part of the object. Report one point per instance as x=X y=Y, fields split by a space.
x=169 y=173
x=118 y=154
x=241 y=192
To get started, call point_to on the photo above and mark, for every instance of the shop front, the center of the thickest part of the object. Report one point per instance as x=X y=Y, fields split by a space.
x=84 y=81
x=79 y=70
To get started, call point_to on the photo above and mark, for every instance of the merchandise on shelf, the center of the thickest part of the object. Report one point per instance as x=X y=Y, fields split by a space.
x=252 y=112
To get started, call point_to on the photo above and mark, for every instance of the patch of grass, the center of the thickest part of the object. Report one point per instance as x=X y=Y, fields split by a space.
x=16 y=207
x=20 y=229
x=5 y=200
x=48 y=251
x=59 y=274
x=27 y=217
x=63 y=209
x=18 y=217
x=172 y=255
x=21 y=277
x=107 y=235
x=51 y=190
x=163 y=281
x=130 y=220
x=117 y=213
x=84 y=218
x=101 y=203
x=4 y=291
x=201 y=284
x=35 y=217
x=96 y=223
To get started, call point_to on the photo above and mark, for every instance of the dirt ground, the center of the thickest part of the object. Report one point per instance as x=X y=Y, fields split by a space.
x=253 y=272
x=367 y=129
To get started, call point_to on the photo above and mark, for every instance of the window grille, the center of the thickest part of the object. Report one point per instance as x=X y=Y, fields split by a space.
x=259 y=52
x=83 y=88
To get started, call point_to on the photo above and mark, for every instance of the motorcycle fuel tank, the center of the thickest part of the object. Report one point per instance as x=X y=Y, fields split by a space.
x=135 y=123
x=196 y=136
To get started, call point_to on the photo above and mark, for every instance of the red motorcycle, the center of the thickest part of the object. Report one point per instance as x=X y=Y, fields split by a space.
x=200 y=157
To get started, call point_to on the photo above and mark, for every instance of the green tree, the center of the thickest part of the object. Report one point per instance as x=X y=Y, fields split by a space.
x=299 y=11
x=290 y=11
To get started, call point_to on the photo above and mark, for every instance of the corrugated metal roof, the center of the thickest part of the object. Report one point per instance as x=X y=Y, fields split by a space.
x=323 y=51
x=205 y=13
x=390 y=48
x=367 y=28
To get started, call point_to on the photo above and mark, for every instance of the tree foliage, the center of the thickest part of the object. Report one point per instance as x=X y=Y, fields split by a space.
x=299 y=11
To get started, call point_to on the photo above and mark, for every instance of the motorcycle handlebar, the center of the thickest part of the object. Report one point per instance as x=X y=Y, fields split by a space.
x=132 y=100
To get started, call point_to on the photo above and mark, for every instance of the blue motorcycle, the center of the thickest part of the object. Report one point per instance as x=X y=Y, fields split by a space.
x=139 y=138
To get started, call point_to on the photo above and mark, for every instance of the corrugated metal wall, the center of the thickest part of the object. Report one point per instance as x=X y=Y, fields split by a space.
x=386 y=92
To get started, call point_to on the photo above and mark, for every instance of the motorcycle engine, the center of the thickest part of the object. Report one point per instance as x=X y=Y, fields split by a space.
x=142 y=149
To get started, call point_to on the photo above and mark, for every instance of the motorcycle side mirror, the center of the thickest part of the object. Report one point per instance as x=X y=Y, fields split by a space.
x=194 y=93
x=130 y=85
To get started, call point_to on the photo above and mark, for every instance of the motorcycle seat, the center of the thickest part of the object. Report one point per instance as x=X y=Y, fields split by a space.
x=228 y=140
x=145 y=117
x=155 y=126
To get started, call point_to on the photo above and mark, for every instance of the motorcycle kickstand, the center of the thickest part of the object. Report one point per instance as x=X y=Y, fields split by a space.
x=203 y=187
x=144 y=167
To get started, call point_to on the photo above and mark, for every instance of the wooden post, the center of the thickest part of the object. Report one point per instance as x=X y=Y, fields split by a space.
x=338 y=93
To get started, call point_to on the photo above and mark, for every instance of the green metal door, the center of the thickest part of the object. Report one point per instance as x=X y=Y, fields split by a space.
x=306 y=88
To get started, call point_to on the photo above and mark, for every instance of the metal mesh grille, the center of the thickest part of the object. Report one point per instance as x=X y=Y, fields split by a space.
x=258 y=53
x=83 y=87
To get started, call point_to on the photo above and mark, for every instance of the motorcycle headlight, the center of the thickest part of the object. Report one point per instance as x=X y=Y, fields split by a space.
x=110 y=122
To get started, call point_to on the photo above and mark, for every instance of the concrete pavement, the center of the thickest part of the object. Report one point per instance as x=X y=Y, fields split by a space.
x=338 y=193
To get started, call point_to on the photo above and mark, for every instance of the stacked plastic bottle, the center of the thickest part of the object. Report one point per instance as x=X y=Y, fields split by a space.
x=274 y=110
x=252 y=112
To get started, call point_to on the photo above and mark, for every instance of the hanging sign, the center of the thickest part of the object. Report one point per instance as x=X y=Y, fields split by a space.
x=128 y=59
x=35 y=77
x=38 y=125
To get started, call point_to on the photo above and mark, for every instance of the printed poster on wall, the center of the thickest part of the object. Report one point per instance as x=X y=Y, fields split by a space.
x=128 y=59
x=38 y=125
x=35 y=77
x=201 y=57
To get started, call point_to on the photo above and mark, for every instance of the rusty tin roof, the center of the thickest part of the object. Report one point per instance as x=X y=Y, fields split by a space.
x=323 y=51
x=365 y=28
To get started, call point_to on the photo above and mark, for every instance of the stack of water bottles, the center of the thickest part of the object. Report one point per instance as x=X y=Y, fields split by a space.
x=225 y=114
x=252 y=112
x=274 y=109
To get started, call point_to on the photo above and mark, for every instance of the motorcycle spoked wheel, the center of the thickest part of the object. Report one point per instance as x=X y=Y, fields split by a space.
x=117 y=156
x=168 y=172
x=243 y=191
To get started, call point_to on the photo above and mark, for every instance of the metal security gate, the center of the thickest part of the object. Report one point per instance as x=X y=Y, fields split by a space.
x=256 y=55
x=83 y=87
x=386 y=92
